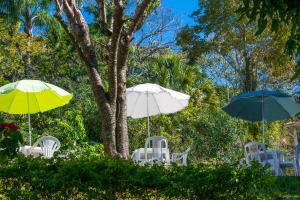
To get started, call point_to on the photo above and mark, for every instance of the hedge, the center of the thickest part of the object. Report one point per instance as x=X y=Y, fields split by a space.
x=109 y=178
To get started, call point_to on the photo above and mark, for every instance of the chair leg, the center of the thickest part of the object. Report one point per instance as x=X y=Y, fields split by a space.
x=283 y=169
x=296 y=169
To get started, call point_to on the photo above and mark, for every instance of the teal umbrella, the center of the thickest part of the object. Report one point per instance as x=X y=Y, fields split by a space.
x=262 y=105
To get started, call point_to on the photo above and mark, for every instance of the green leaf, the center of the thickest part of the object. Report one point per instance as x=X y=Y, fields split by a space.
x=262 y=24
x=297 y=73
x=275 y=25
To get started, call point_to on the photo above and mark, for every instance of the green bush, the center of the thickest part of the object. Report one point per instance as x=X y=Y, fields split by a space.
x=288 y=187
x=107 y=178
x=10 y=138
x=70 y=129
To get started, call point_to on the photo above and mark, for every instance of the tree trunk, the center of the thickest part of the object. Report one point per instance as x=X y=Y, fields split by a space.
x=249 y=78
x=250 y=82
x=28 y=22
x=28 y=26
x=106 y=117
x=247 y=75
x=121 y=128
x=112 y=105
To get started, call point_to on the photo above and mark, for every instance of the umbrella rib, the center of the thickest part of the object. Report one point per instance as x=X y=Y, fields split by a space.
x=283 y=108
x=11 y=104
x=57 y=96
x=37 y=103
x=157 y=104
x=178 y=102
x=240 y=111
x=54 y=92
x=132 y=110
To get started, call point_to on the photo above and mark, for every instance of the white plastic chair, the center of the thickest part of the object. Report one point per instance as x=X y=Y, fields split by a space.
x=286 y=161
x=257 y=151
x=296 y=163
x=138 y=155
x=252 y=151
x=48 y=144
x=182 y=157
x=156 y=150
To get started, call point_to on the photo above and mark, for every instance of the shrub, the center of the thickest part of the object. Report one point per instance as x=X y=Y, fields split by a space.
x=10 y=139
x=107 y=178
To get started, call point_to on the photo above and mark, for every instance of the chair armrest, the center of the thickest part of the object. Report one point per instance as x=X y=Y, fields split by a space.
x=177 y=156
x=133 y=154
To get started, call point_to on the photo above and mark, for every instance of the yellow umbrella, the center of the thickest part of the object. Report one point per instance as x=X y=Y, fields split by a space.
x=31 y=96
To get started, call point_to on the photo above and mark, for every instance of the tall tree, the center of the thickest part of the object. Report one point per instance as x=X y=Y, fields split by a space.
x=157 y=34
x=276 y=14
x=118 y=30
x=231 y=46
x=11 y=48
x=25 y=14
x=169 y=70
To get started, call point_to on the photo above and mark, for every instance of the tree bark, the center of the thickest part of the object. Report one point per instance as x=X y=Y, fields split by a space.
x=121 y=128
x=28 y=26
x=250 y=82
x=79 y=33
x=111 y=104
x=107 y=118
x=28 y=22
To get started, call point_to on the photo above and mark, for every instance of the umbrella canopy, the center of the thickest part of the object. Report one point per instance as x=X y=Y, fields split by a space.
x=148 y=99
x=262 y=105
x=31 y=96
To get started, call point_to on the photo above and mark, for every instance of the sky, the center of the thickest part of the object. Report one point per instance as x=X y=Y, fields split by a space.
x=181 y=8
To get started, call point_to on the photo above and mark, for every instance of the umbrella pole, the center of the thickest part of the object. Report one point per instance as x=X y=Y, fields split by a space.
x=263 y=120
x=29 y=129
x=148 y=117
x=148 y=125
x=263 y=129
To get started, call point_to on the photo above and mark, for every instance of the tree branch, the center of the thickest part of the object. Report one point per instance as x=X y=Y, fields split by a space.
x=105 y=30
x=139 y=16
x=71 y=36
x=102 y=13
x=59 y=9
x=117 y=27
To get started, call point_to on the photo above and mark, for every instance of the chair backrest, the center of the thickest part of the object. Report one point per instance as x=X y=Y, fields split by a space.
x=187 y=150
x=49 y=145
x=297 y=153
x=159 y=148
x=182 y=157
x=253 y=150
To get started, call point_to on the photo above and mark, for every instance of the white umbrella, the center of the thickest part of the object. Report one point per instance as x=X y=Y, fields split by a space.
x=148 y=99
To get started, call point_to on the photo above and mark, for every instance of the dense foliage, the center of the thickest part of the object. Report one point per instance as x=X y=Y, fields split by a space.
x=203 y=126
x=220 y=56
x=10 y=139
x=90 y=178
x=234 y=54
x=276 y=14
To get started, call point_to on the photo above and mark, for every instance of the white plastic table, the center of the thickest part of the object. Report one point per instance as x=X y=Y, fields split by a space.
x=139 y=155
x=36 y=151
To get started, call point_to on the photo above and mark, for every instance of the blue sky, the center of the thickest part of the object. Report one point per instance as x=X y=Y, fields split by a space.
x=181 y=8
